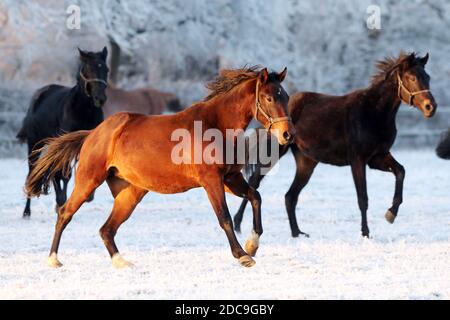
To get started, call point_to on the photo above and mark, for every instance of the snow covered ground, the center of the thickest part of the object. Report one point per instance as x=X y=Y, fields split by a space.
x=180 y=251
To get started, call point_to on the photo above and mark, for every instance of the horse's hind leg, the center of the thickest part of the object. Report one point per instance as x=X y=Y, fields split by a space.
x=32 y=158
x=387 y=163
x=239 y=187
x=84 y=186
x=60 y=183
x=126 y=197
x=305 y=169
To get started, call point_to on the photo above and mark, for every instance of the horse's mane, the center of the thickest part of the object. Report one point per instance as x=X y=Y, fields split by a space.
x=230 y=78
x=385 y=67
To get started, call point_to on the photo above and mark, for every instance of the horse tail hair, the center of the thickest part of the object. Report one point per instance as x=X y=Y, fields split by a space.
x=59 y=154
x=443 y=148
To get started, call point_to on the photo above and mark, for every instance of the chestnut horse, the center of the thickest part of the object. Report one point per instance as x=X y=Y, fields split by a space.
x=357 y=129
x=132 y=153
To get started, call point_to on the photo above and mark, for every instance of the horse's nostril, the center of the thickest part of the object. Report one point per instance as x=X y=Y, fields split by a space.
x=287 y=136
x=428 y=107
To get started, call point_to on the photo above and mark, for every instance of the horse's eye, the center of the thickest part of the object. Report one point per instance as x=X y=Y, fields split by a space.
x=413 y=78
x=269 y=99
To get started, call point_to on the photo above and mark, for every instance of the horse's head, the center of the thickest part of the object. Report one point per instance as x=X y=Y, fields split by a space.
x=271 y=106
x=93 y=75
x=414 y=84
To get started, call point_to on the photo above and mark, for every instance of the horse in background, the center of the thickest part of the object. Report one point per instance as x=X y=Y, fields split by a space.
x=144 y=100
x=356 y=130
x=55 y=109
x=443 y=148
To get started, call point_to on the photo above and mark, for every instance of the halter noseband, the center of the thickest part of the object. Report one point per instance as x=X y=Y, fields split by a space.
x=87 y=81
x=411 y=95
x=269 y=118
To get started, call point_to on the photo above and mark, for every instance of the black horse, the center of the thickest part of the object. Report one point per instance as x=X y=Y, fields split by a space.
x=443 y=148
x=356 y=129
x=55 y=109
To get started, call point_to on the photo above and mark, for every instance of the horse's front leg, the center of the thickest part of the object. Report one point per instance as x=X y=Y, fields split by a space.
x=237 y=185
x=359 y=177
x=387 y=163
x=216 y=193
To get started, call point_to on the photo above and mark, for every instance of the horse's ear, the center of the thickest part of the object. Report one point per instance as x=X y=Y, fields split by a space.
x=423 y=61
x=83 y=54
x=264 y=76
x=105 y=53
x=406 y=63
x=282 y=75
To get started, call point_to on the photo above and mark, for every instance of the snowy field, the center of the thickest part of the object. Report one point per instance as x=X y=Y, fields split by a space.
x=180 y=252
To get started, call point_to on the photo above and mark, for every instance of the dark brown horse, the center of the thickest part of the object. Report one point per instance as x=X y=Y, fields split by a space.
x=133 y=153
x=357 y=129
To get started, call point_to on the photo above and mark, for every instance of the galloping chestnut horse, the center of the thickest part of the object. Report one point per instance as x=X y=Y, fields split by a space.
x=55 y=109
x=132 y=152
x=356 y=129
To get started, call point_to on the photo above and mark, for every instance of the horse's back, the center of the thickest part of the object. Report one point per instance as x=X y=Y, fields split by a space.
x=42 y=114
x=320 y=121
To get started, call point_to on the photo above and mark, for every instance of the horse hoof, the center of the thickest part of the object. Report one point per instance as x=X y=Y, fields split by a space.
x=252 y=244
x=26 y=215
x=296 y=234
x=120 y=263
x=390 y=217
x=247 y=261
x=53 y=261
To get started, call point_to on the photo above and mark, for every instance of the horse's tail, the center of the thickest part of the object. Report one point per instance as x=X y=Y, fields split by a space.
x=443 y=148
x=59 y=154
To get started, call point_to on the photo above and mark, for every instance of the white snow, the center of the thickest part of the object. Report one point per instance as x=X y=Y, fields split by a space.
x=180 y=252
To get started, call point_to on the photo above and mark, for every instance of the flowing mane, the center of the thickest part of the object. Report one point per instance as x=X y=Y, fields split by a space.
x=384 y=67
x=230 y=78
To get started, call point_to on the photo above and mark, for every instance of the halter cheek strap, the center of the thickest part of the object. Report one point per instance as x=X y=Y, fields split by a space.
x=87 y=81
x=269 y=118
x=402 y=88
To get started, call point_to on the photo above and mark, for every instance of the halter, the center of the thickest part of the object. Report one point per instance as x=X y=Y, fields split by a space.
x=271 y=120
x=411 y=95
x=87 y=81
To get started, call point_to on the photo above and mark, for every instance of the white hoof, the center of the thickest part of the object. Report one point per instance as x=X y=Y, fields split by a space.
x=246 y=261
x=390 y=217
x=120 y=263
x=53 y=261
x=252 y=244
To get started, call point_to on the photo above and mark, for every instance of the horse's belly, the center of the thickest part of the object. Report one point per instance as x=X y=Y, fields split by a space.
x=329 y=152
x=157 y=178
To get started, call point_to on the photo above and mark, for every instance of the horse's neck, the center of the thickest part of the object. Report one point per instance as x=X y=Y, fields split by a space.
x=386 y=99
x=81 y=102
x=234 y=109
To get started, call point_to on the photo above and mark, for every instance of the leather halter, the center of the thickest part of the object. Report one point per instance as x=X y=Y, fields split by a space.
x=411 y=95
x=269 y=118
x=87 y=81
